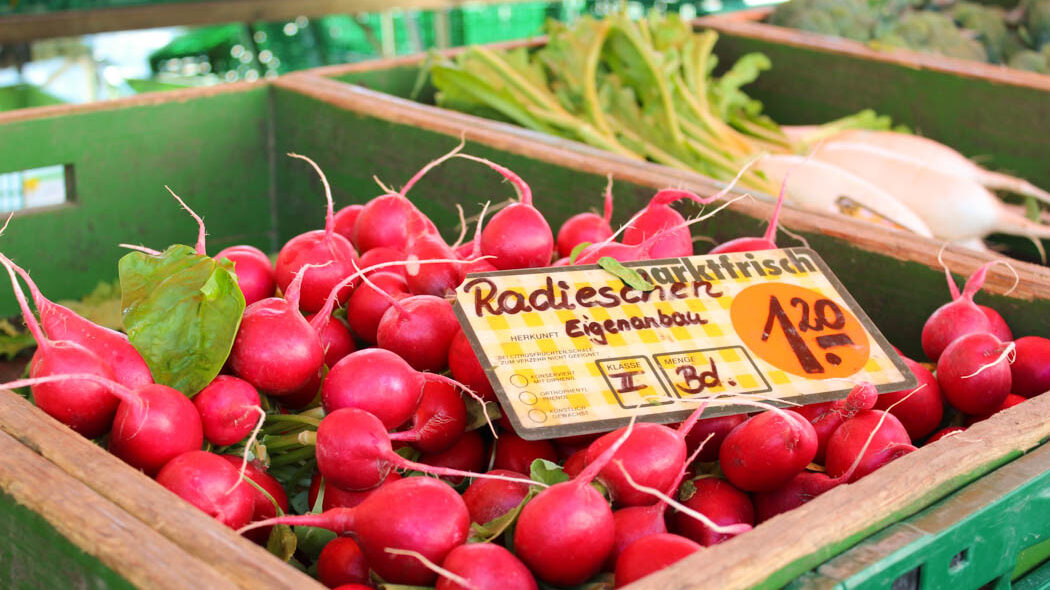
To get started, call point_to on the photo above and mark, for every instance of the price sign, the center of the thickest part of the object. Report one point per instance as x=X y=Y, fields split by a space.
x=572 y=350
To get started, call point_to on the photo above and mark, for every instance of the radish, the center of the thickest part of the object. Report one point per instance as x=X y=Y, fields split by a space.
x=354 y=452
x=651 y=554
x=657 y=217
x=957 y=318
x=768 y=241
x=439 y=421
x=466 y=368
x=517 y=236
x=469 y=454
x=801 y=489
x=484 y=566
x=336 y=338
x=210 y=483
x=381 y=255
x=944 y=433
x=923 y=409
x=827 y=417
x=62 y=324
x=418 y=514
x=654 y=455
x=855 y=439
x=566 y=532
x=305 y=395
x=339 y=498
x=255 y=274
x=431 y=279
x=1010 y=401
x=718 y=500
x=569 y=445
x=328 y=256
x=229 y=408
x=575 y=463
x=489 y=499
x=264 y=507
x=996 y=324
x=276 y=349
x=767 y=450
x=586 y=227
x=345 y=219
x=517 y=454
x=420 y=330
x=974 y=373
x=342 y=562
x=1030 y=371
x=87 y=407
x=370 y=301
x=714 y=431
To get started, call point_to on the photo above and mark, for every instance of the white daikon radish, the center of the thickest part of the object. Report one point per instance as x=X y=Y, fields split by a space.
x=824 y=188
x=955 y=208
x=931 y=153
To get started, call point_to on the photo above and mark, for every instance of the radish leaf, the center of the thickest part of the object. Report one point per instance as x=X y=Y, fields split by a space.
x=627 y=275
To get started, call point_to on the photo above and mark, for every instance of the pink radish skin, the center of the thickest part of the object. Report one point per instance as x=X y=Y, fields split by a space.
x=803 y=488
x=654 y=456
x=944 y=432
x=63 y=324
x=263 y=507
x=467 y=369
x=718 y=500
x=489 y=499
x=1030 y=371
x=957 y=318
x=466 y=455
x=568 y=445
x=381 y=255
x=431 y=279
x=486 y=567
x=388 y=222
x=304 y=396
x=162 y=426
x=229 y=409
x=768 y=450
x=345 y=219
x=996 y=324
x=339 y=498
x=439 y=421
x=331 y=255
x=827 y=417
x=335 y=338
x=366 y=306
x=517 y=454
x=972 y=394
x=342 y=562
x=376 y=381
x=418 y=514
x=255 y=274
x=923 y=409
x=276 y=349
x=890 y=442
x=717 y=428
x=633 y=523
x=651 y=554
x=210 y=483
x=586 y=227
x=419 y=329
x=575 y=463
x=1010 y=401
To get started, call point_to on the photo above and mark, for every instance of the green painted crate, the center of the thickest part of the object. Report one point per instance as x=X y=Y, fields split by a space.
x=22 y=96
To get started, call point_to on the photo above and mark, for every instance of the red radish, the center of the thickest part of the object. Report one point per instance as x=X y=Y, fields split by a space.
x=354 y=452
x=305 y=395
x=485 y=566
x=517 y=454
x=370 y=301
x=469 y=454
x=828 y=416
x=327 y=256
x=518 y=235
x=996 y=324
x=335 y=338
x=439 y=420
x=229 y=408
x=339 y=498
x=974 y=373
x=854 y=439
x=654 y=455
x=803 y=488
x=353 y=587
x=467 y=369
x=345 y=219
x=381 y=255
x=489 y=499
x=717 y=429
x=767 y=450
x=377 y=381
x=420 y=330
x=63 y=324
x=566 y=532
x=276 y=349
x=263 y=508
x=1030 y=371
x=768 y=241
x=471 y=252
x=659 y=216
x=342 y=562
x=586 y=227
x=651 y=554
x=569 y=445
x=923 y=409
x=431 y=279
x=1011 y=401
x=255 y=274
x=575 y=463
x=210 y=483
x=418 y=514
x=945 y=433
x=957 y=318
x=719 y=501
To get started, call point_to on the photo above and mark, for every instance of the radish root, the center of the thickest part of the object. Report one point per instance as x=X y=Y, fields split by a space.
x=430 y=565
x=201 y=233
x=247 y=447
x=1009 y=354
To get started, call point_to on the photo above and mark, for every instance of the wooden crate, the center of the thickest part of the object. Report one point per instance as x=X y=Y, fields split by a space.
x=223 y=150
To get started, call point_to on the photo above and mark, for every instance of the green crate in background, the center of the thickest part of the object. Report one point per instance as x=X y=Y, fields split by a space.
x=287 y=46
x=224 y=52
x=503 y=22
x=21 y=96
x=346 y=38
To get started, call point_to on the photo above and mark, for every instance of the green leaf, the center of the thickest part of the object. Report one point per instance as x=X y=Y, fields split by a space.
x=1031 y=208
x=628 y=275
x=491 y=530
x=476 y=413
x=282 y=542
x=576 y=251
x=312 y=539
x=181 y=312
x=545 y=471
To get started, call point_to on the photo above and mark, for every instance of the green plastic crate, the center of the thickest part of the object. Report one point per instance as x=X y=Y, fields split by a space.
x=504 y=22
x=225 y=52
x=22 y=96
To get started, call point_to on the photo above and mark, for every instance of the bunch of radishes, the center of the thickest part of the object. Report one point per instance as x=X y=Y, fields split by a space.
x=358 y=341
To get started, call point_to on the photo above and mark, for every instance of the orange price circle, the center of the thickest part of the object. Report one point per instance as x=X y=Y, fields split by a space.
x=800 y=331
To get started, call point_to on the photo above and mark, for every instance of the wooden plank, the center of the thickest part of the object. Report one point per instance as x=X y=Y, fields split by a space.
x=100 y=528
x=242 y=562
x=26 y=27
x=792 y=543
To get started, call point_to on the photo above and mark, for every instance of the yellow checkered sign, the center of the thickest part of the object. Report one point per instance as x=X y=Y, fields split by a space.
x=573 y=350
